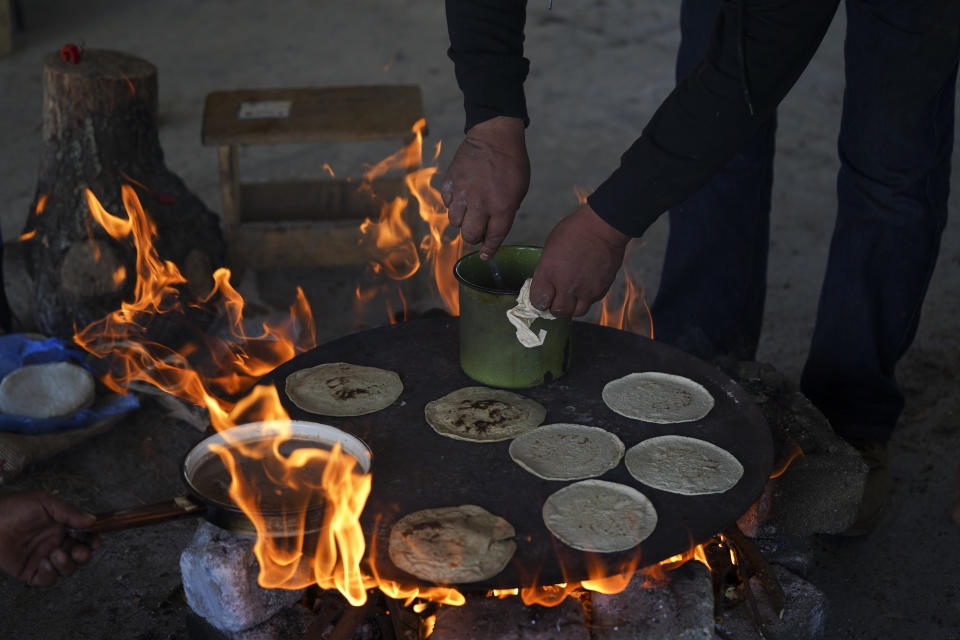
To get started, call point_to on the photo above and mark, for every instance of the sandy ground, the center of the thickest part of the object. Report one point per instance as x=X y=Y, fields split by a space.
x=598 y=72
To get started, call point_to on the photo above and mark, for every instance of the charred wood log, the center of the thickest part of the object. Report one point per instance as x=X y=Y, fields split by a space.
x=99 y=132
x=757 y=566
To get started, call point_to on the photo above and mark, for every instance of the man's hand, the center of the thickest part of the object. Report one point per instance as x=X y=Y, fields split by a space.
x=486 y=181
x=33 y=543
x=579 y=262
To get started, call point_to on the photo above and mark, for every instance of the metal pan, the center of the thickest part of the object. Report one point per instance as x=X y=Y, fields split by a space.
x=206 y=479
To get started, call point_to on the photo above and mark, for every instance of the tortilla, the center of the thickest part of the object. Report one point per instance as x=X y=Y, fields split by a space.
x=452 y=545
x=482 y=414
x=565 y=451
x=599 y=516
x=687 y=466
x=343 y=389
x=663 y=398
x=47 y=390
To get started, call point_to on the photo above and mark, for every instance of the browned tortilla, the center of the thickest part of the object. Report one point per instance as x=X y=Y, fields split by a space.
x=343 y=389
x=482 y=414
x=452 y=545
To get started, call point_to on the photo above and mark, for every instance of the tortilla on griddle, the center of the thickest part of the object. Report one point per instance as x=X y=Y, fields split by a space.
x=687 y=466
x=47 y=390
x=452 y=545
x=566 y=451
x=343 y=389
x=658 y=397
x=482 y=414
x=599 y=516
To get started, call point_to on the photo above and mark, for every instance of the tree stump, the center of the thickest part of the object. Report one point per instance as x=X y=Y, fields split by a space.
x=99 y=132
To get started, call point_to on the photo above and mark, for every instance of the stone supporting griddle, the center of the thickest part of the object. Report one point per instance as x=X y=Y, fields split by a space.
x=219 y=571
x=820 y=491
x=681 y=609
x=804 y=617
x=509 y=619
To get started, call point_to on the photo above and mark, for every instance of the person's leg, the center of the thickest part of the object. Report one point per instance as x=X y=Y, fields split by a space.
x=895 y=143
x=713 y=284
x=956 y=500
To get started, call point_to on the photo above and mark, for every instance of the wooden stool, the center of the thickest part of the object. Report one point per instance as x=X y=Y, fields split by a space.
x=303 y=223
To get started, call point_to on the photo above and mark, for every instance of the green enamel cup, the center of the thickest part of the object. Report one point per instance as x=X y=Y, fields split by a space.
x=489 y=350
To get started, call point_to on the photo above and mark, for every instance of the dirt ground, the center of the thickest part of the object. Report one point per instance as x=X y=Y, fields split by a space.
x=598 y=71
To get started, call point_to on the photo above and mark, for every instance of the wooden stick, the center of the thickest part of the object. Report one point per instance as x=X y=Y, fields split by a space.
x=406 y=623
x=748 y=592
x=761 y=568
x=351 y=620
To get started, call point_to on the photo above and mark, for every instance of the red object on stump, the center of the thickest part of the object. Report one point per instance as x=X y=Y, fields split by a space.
x=71 y=53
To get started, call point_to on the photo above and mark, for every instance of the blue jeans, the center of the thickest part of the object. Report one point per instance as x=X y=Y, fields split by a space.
x=896 y=138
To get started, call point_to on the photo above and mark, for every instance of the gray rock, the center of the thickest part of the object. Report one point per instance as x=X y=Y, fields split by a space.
x=510 y=619
x=219 y=571
x=292 y=622
x=804 y=615
x=679 y=610
x=820 y=491
x=796 y=554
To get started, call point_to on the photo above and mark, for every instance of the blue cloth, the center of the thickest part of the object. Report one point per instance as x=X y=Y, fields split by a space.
x=896 y=138
x=17 y=350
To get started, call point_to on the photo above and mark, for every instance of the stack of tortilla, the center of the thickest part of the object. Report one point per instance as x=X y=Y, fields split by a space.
x=48 y=390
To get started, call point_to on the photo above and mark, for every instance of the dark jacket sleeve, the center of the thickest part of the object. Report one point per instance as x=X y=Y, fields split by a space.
x=760 y=45
x=486 y=46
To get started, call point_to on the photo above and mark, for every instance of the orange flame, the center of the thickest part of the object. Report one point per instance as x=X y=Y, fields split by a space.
x=289 y=561
x=441 y=253
x=333 y=556
x=119 y=275
x=428 y=624
x=135 y=182
x=41 y=204
x=393 y=249
x=627 y=315
x=602 y=581
x=795 y=452
x=133 y=90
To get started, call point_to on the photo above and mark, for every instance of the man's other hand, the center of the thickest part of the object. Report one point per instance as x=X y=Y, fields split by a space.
x=486 y=181
x=34 y=546
x=580 y=260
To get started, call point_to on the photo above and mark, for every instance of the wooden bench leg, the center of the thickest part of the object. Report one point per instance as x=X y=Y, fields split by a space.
x=229 y=189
